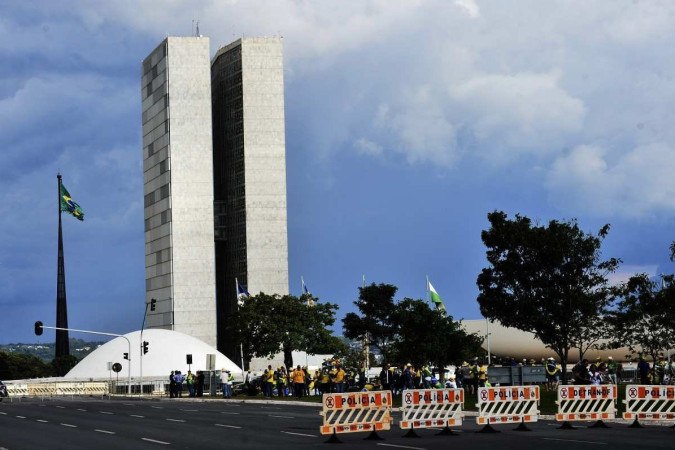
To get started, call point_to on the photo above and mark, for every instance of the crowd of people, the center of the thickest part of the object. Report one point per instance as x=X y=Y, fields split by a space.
x=333 y=377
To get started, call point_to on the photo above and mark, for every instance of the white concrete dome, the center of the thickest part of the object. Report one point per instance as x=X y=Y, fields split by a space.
x=167 y=351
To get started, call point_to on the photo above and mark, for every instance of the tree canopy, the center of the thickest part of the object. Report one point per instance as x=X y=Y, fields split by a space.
x=547 y=280
x=267 y=324
x=408 y=330
x=643 y=317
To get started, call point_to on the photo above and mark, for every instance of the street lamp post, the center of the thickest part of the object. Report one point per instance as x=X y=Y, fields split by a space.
x=142 y=346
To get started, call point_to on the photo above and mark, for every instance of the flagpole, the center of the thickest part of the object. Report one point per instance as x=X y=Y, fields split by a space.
x=62 y=346
x=428 y=292
x=241 y=344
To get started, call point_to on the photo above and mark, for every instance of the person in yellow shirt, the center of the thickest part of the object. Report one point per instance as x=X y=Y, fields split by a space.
x=339 y=379
x=298 y=378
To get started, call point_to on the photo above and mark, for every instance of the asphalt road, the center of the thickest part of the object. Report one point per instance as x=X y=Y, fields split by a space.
x=134 y=424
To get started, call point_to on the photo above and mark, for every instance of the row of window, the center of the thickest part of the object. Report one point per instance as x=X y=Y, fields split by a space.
x=156 y=195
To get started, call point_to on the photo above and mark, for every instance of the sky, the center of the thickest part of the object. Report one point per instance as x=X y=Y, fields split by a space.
x=406 y=124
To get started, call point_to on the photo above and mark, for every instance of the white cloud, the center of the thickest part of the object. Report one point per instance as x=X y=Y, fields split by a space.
x=637 y=183
x=469 y=7
x=626 y=271
x=366 y=147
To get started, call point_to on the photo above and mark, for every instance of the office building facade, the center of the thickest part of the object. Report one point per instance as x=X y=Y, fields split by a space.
x=214 y=161
x=178 y=187
x=249 y=162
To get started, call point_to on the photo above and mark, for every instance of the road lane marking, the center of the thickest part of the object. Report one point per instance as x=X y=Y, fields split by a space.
x=69 y=425
x=20 y=417
x=128 y=404
x=573 y=440
x=299 y=434
x=156 y=441
x=60 y=407
x=190 y=410
x=80 y=409
x=104 y=431
x=227 y=426
x=41 y=421
x=282 y=417
x=157 y=407
x=175 y=420
x=3 y=413
x=106 y=412
x=228 y=412
x=401 y=446
x=134 y=415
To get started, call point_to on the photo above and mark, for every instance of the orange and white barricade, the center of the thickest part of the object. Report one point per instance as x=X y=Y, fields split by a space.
x=424 y=408
x=586 y=403
x=649 y=402
x=356 y=412
x=515 y=404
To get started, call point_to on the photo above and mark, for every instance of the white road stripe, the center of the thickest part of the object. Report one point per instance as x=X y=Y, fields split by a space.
x=3 y=413
x=134 y=415
x=157 y=407
x=20 y=417
x=401 y=446
x=175 y=420
x=60 y=407
x=283 y=417
x=573 y=440
x=69 y=425
x=80 y=409
x=190 y=410
x=156 y=441
x=128 y=404
x=106 y=412
x=41 y=420
x=299 y=434
x=227 y=426
x=227 y=412
x=105 y=431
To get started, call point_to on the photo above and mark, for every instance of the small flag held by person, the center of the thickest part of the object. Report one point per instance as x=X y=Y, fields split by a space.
x=69 y=206
x=242 y=293
x=305 y=292
x=435 y=298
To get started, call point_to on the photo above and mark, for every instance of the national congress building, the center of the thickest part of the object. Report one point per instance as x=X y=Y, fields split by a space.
x=214 y=173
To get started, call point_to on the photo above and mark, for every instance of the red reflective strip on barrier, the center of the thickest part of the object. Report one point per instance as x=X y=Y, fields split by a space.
x=642 y=392
x=461 y=396
x=526 y=418
x=378 y=400
x=627 y=415
x=378 y=426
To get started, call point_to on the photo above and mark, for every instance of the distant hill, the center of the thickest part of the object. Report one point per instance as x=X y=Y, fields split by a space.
x=45 y=351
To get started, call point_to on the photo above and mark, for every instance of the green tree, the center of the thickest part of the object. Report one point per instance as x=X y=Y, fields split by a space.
x=546 y=280
x=63 y=364
x=376 y=324
x=15 y=366
x=643 y=316
x=426 y=335
x=267 y=324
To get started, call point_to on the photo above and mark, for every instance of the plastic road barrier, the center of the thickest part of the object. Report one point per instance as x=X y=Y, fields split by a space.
x=356 y=412
x=649 y=402
x=515 y=404
x=586 y=402
x=424 y=408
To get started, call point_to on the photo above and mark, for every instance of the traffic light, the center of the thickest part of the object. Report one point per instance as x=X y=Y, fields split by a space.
x=145 y=347
x=38 y=328
x=153 y=304
x=126 y=355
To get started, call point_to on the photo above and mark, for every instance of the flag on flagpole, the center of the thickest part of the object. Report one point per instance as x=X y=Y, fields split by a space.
x=69 y=206
x=304 y=286
x=305 y=292
x=435 y=298
x=242 y=293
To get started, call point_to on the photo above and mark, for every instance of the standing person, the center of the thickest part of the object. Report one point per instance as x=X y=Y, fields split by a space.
x=179 y=378
x=190 y=381
x=580 y=373
x=271 y=381
x=339 y=379
x=612 y=370
x=482 y=375
x=408 y=377
x=552 y=375
x=227 y=378
x=200 y=383
x=281 y=381
x=385 y=380
x=298 y=377
x=172 y=385
x=643 y=370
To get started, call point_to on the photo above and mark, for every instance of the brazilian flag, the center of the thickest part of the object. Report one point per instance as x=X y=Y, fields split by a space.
x=69 y=206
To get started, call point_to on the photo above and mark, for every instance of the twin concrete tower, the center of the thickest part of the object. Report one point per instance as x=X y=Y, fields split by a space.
x=214 y=173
